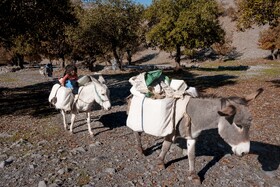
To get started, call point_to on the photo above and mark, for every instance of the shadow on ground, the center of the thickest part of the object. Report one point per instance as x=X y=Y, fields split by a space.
x=209 y=143
x=146 y=58
x=33 y=100
x=268 y=155
x=276 y=82
x=28 y=100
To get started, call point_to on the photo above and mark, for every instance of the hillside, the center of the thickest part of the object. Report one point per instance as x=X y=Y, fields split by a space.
x=245 y=43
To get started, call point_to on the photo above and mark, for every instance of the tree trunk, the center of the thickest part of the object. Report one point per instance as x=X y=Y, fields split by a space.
x=272 y=54
x=90 y=64
x=14 y=60
x=129 y=56
x=178 y=58
x=63 y=61
x=117 y=58
x=20 y=60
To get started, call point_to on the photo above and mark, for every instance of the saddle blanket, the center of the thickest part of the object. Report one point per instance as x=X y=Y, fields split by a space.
x=61 y=97
x=155 y=117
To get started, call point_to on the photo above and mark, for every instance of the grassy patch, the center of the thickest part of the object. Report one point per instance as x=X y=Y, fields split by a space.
x=83 y=179
x=48 y=130
x=20 y=135
x=272 y=72
x=8 y=79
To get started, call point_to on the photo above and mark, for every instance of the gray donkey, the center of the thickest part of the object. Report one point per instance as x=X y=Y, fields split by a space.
x=230 y=115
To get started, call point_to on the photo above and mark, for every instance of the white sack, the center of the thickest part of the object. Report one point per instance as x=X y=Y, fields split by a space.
x=136 y=93
x=61 y=97
x=178 y=85
x=155 y=117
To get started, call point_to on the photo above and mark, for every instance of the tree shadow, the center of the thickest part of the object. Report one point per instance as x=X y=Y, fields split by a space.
x=145 y=58
x=119 y=87
x=29 y=100
x=214 y=81
x=33 y=99
x=202 y=82
x=209 y=54
x=276 y=82
x=221 y=68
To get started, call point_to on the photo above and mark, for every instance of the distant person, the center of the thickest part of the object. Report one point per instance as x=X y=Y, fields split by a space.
x=70 y=78
x=49 y=69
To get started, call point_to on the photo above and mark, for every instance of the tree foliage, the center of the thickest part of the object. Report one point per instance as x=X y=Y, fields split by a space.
x=261 y=12
x=270 y=40
x=29 y=26
x=258 y=12
x=108 y=27
x=184 y=23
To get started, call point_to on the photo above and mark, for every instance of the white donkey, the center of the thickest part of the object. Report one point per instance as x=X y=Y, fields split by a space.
x=91 y=92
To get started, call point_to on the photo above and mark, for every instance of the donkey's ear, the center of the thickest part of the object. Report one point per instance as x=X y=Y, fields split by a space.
x=253 y=95
x=227 y=111
x=101 y=79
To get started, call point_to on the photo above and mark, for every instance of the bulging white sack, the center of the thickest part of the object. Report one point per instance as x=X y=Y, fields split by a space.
x=154 y=117
x=61 y=97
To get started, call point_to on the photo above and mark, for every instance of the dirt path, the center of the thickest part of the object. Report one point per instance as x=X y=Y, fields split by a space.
x=36 y=151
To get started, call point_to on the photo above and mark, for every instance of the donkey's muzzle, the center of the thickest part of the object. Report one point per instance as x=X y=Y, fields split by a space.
x=241 y=148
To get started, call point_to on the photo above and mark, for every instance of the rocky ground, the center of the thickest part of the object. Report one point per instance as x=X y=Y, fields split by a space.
x=35 y=150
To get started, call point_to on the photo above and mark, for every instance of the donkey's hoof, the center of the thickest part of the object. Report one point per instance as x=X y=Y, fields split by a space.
x=195 y=179
x=91 y=134
x=140 y=150
x=160 y=164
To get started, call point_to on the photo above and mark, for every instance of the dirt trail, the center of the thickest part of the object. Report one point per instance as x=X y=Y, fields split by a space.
x=35 y=150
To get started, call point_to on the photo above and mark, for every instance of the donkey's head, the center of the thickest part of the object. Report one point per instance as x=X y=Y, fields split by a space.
x=235 y=122
x=102 y=93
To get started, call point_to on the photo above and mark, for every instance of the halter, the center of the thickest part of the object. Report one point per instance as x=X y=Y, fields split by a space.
x=98 y=94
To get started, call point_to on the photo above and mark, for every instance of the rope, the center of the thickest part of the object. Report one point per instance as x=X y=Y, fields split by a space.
x=142 y=113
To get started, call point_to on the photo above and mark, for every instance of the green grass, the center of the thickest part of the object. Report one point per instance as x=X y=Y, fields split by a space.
x=83 y=179
x=272 y=72
x=7 y=79
x=238 y=68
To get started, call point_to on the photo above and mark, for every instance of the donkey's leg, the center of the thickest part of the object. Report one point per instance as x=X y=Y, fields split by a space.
x=138 y=142
x=191 y=155
x=88 y=123
x=165 y=148
x=73 y=116
x=64 y=119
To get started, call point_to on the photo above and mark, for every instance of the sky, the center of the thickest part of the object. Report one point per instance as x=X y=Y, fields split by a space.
x=144 y=2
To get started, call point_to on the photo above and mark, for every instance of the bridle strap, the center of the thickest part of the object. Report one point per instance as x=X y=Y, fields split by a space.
x=96 y=92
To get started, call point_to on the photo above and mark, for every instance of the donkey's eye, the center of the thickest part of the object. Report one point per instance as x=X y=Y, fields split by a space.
x=239 y=126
